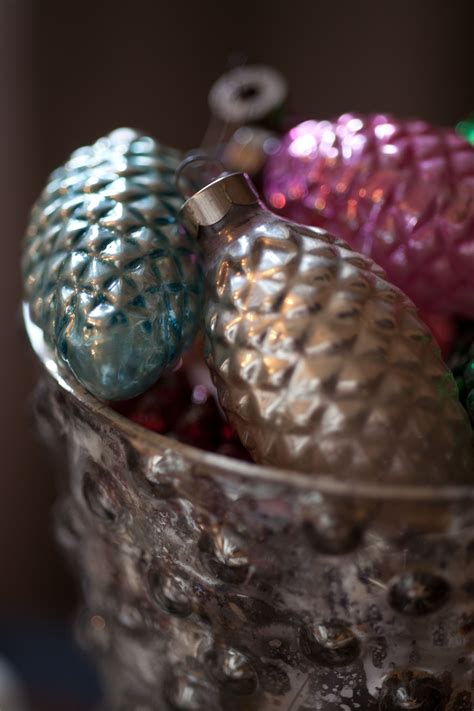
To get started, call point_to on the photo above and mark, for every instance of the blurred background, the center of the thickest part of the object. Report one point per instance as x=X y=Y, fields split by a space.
x=70 y=72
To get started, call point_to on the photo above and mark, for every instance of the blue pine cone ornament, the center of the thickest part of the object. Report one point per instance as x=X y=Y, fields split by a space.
x=110 y=277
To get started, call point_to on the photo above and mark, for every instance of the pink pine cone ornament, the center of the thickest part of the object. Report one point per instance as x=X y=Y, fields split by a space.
x=401 y=192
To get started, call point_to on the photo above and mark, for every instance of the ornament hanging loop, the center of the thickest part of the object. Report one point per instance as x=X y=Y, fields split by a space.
x=195 y=172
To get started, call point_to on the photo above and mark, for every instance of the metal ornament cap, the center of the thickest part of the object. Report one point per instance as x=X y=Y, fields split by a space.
x=212 y=203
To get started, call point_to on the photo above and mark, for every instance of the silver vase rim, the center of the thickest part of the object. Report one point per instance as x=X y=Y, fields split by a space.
x=149 y=441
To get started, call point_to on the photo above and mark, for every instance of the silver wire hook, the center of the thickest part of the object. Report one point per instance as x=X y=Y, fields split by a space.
x=214 y=169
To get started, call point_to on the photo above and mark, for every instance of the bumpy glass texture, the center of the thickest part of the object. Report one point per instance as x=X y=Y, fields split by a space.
x=401 y=192
x=110 y=277
x=320 y=363
x=216 y=585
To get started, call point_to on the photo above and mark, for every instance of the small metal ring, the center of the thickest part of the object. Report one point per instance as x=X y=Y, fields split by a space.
x=189 y=160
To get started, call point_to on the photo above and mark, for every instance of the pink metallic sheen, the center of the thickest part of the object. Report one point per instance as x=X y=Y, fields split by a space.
x=399 y=191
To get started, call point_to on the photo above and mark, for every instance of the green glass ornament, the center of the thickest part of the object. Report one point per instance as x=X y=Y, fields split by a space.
x=110 y=277
x=466 y=128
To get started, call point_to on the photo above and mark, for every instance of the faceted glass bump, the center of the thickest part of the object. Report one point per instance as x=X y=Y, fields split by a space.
x=418 y=593
x=330 y=644
x=101 y=498
x=110 y=277
x=413 y=690
x=224 y=553
x=335 y=530
x=190 y=691
x=171 y=591
x=233 y=670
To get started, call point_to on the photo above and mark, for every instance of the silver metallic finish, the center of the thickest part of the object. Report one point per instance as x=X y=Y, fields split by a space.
x=320 y=363
x=213 y=202
x=229 y=587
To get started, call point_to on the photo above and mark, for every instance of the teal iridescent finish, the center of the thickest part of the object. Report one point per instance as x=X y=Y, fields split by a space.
x=110 y=277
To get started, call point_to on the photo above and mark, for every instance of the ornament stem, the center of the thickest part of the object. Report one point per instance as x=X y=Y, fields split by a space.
x=212 y=203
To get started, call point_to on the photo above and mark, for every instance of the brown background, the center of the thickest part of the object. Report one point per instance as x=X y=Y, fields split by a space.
x=70 y=72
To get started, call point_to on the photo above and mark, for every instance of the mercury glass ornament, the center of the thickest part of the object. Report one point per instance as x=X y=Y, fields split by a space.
x=110 y=277
x=401 y=192
x=320 y=363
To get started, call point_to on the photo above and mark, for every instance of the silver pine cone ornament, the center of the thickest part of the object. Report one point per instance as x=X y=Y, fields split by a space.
x=320 y=363
x=110 y=277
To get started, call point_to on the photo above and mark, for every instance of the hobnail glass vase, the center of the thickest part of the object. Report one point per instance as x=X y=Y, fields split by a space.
x=211 y=583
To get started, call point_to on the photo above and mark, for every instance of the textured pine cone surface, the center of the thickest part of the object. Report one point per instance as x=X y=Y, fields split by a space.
x=321 y=364
x=110 y=277
x=401 y=192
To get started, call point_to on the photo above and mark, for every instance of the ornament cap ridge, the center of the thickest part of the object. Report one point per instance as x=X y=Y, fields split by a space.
x=212 y=203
